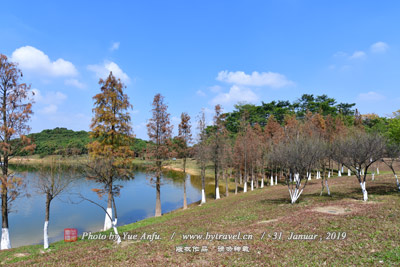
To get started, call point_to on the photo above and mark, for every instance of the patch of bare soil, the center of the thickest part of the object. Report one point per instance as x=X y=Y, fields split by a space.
x=267 y=221
x=335 y=210
x=19 y=255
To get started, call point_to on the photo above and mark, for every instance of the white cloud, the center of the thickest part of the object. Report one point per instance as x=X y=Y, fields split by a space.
x=271 y=79
x=75 y=83
x=358 y=55
x=34 y=60
x=102 y=71
x=370 y=96
x=215 y=88
x=200 y=93
x=235 y=94
x=48 y=110
x=115 y=46
x=49 y=101
x=379 y=47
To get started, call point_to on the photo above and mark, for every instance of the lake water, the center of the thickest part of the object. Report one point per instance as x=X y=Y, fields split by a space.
x=136 y=202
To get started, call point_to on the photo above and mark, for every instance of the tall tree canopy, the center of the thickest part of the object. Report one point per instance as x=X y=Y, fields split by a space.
x=159 y=130
x=15 y=112
x=110 y=151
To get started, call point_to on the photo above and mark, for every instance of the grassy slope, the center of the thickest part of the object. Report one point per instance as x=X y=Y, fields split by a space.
x=373 y=235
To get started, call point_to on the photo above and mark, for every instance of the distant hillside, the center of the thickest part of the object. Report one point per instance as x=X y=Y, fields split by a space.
x=61 y=141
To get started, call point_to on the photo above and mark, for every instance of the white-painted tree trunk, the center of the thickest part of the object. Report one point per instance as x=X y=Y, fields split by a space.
x=342 y=169
x=203 y=196
x=272 y=180
x=116 y=232
x=348 y=172
x=309 y=176
x=217 y=194
x=294 y=195
x=329 y=174
x=340 y=174
x=245 y=187
x=276 y=179
x=262 y=182
x=107 y=220
x=365 y=193
x=5 y=239
x=377 y=171
x=397 y=182
x=327 y=187
x=373 y=176
x=46 y=235
x=252 y=185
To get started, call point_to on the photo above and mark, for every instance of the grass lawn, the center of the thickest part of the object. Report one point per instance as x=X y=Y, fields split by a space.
x=372 y=232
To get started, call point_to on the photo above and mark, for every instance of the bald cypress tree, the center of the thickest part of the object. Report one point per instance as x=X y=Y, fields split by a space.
x=110 y=151
x=159 y=131
x=185 y=137
x=15 y=112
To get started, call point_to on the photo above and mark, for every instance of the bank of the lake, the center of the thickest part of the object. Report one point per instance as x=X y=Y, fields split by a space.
x=372 y=234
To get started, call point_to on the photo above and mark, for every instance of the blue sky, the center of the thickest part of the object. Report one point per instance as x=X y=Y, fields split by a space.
x=200 y=53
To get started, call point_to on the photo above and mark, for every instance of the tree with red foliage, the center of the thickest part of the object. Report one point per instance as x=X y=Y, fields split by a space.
x=15 y=111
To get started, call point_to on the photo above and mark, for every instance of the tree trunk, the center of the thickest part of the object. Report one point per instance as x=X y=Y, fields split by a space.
x=184 y=193
x=46 y=222
x=327 y=187
x=226 y=184
x=184 y=184
x=262 y=175
x=5 y=236
x=118 y=238
x=203 y=185
x=158 y=199
x=364 y=191
x=217 y=196
x=245 y=183
x=108 y=220
x=252 y=179
x=236 y=182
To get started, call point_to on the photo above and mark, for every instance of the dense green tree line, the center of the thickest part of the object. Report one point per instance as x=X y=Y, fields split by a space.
x=61 y=141
x=324 y=105
x=279 y=109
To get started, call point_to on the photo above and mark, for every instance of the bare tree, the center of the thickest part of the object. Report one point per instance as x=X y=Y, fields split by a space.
x=218 y=134
x=358 y=151
x=299 y=155
x=52 y=181
x=15 y=112
x=392 y=156
x=202 y=154
x=185 y=137
x=159 y=131
x=242 y=149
